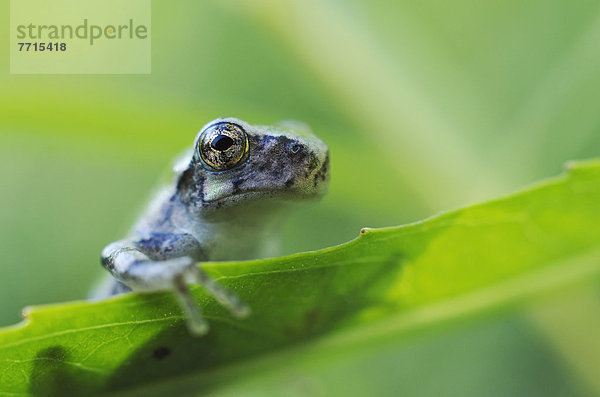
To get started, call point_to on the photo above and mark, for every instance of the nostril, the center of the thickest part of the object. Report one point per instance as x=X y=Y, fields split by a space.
x=295 y=148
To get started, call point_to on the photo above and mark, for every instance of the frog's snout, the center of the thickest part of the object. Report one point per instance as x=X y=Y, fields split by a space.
x=314 y=157
x=321 y=176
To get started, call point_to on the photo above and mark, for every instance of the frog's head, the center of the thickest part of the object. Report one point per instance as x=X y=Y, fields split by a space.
x=235 y=162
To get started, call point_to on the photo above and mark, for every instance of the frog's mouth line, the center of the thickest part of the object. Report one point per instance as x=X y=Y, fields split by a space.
x=267 y=195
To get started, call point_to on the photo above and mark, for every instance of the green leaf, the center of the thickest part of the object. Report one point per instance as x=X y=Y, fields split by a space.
x=461 y=262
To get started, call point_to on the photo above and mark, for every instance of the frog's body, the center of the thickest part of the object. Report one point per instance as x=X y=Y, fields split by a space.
x=226 y=202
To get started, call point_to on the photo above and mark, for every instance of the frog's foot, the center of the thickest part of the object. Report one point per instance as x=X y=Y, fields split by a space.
x=176 y=274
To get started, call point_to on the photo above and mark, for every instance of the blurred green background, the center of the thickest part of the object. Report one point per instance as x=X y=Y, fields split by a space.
x=425 y=105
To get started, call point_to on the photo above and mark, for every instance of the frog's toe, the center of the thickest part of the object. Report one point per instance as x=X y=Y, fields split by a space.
x=196 y=324
x=226 y=297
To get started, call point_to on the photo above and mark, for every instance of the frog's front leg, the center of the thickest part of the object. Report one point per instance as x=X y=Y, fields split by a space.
x=168 y=261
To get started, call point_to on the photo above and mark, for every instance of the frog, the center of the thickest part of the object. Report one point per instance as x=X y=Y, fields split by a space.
x=226 y=200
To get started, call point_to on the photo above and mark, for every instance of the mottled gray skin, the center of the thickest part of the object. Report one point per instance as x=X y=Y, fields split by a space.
x=218 y=215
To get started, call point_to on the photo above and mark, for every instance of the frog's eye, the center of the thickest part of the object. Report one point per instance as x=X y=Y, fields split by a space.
x=223 y=146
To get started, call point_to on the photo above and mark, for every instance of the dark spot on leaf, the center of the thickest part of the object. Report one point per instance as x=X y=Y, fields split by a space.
x=310 y=319
x=54 y=375
x=161 y=352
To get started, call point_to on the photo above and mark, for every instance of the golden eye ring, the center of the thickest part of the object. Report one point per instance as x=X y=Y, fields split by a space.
x=222 y=146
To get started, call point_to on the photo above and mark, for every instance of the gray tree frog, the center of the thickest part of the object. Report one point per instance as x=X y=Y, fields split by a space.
x=226 y=201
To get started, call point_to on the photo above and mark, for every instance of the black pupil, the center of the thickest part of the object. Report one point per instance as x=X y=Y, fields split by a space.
x=221 y=143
